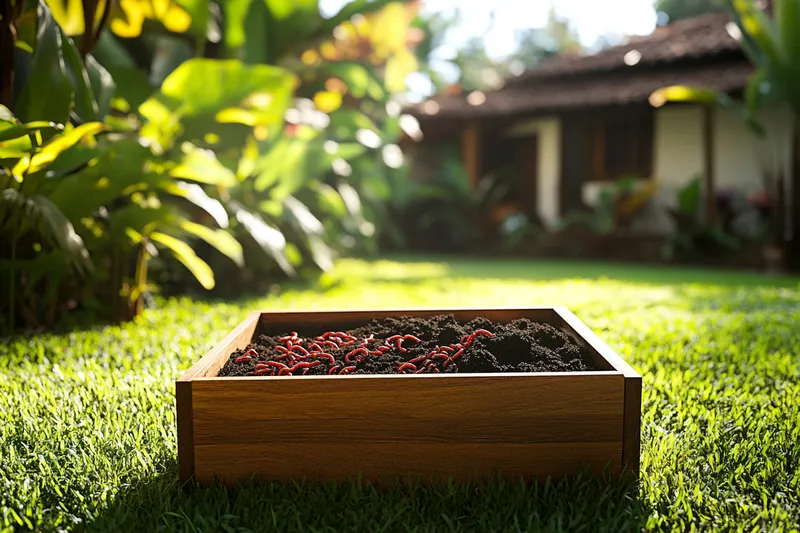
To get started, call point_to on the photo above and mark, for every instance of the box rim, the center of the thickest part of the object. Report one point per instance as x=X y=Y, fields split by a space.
x=619 y=366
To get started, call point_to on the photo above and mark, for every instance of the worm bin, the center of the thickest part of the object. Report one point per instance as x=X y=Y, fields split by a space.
x=421 y=418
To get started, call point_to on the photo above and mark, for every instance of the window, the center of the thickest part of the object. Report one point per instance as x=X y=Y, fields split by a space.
x=622 y=146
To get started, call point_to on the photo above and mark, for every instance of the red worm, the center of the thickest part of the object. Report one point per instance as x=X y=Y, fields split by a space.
x=458 y=354
x=418 y=359
x=327 y=356
x=251 y=352
x=344 y=335
x=435 y=370
x=316 y=347
x=275 y=364
x=394 y=338
x=262 y=371
x=282 y=349
x=465 y=338
x=302 y=350
x=376 y=352
x=329 y=344
x=306 y=371
x=355 y=352
x=440 y=356
x=333 y=369
x=347 y=369
x=404 y=366
x=304 y=364
x=244 y=359
x=400 y=346
x=421 y=370
x=328 y=334
x=476 y=333
x=319 y=338
x=447 y=349
x=383 y=349
x=368 y=339
x=411 y=338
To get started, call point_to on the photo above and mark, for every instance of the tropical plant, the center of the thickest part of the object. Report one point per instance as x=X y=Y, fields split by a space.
x=693 y=235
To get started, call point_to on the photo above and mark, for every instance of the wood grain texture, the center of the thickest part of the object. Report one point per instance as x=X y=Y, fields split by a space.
x=214 y=359
x=632 y=425
x=392 y=416
x=183 y=407
x=333 y=427
x=432 y=461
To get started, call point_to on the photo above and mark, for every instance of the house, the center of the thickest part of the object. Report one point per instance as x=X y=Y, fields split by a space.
x=575 y=123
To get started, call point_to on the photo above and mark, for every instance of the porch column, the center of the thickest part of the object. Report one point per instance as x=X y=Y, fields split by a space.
x=709 y=186
x=471 y=150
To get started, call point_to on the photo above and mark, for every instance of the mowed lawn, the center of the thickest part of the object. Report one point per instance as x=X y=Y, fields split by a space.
x=87 y=418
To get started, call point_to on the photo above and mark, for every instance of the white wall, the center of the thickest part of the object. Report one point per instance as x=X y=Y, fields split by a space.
x=677 y=148
x=548 y=131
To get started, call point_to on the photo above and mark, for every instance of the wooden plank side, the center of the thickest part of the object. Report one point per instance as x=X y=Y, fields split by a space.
x=312 y=321
x=632 y=425
x=586 y=336
x=396 y=416
x=183 y=407
x=215 y=358
x=375 y=461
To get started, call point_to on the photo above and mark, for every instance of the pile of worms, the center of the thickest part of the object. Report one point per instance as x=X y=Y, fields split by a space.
x=296 y=356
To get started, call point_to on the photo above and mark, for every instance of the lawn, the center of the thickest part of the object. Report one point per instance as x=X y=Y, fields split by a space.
x=87 y=419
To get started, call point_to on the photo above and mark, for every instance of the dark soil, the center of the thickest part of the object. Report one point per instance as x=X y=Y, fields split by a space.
x=520 y=346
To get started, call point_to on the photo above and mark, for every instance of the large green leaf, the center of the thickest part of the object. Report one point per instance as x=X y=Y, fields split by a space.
x=285 y=162
x=47 y=94
x=85 y=103
x=61 y=143
x=40 y=212
x=209 y=86
x=10 y=130
x=184 y=253
x=220 y=239
x=360 y=79
x=235 y=16
x=103 y=86
x=203 y=166
x=196 y=195
x=270 y=239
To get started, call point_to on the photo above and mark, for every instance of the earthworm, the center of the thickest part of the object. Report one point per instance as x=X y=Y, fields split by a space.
x=393 y=338
x=327 y=356
x=291 y=337
x=476 y=333
x=400 y=346
x=333 y=369
x=357 y=351
x=368 y=339
x=251 y=352
x=306 y=371
x=347 y=369
x=384 y=348
x=418 y=359
x=329 y=344
x=345 y=335
x=316 y=347
x=328 y=334
x=435 y=370
x=244 y=359
x=282 y=349
x=275 y=364
x=304 y=364
x=464 y=339
x=456 y=355
x=447 y=349
x=421 y=370
x=376 y=352
x=302 y=350
x=406 y=365
x=411 y=338
x=262 y=371
x=440 y=356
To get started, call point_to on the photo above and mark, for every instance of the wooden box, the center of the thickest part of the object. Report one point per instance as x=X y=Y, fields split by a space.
x=431 y=426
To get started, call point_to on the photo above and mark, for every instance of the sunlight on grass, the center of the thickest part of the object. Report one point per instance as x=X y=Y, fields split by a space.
x=87 y=421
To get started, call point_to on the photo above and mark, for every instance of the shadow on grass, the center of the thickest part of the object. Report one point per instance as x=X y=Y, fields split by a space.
x=581 y=503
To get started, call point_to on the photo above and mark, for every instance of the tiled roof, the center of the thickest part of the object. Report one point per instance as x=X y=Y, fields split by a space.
x=697 y=52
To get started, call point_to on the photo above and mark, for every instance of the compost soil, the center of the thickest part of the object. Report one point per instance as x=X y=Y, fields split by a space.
x=519 y=346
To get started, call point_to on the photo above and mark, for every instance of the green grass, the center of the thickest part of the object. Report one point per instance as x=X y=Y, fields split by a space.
x=87 y=419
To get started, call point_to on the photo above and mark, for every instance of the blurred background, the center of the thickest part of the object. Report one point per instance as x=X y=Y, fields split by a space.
x=188 y=146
